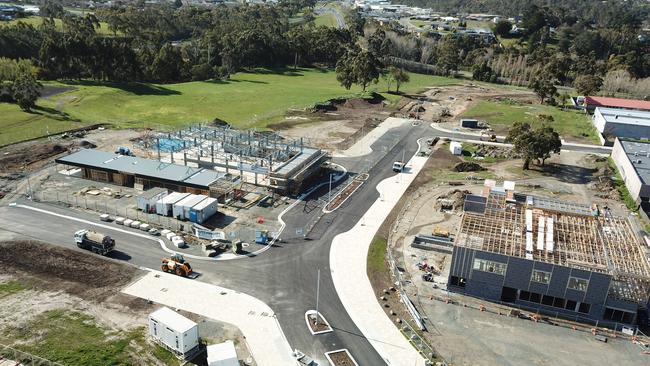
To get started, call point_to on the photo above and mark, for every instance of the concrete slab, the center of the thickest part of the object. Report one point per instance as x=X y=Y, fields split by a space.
x=253 y=317
x=348 y=257
x=362 y=147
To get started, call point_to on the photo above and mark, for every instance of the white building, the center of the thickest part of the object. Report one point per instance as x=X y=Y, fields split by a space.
x=616 y=122
x=456 y=148
x=147 y=200
x=633 y=162
x=182 y=208
x=222 y=354
x=165 y=205
x=174 y=332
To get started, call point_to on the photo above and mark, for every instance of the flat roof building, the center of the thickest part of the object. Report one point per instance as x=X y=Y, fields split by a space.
x=141 y=173
x=616 y=122
x=632 y=159
x=555 y=257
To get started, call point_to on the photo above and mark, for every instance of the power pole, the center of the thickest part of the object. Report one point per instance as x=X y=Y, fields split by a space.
x=317 y=294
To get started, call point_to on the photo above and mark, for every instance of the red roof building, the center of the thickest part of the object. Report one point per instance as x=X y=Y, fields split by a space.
x=592 y=102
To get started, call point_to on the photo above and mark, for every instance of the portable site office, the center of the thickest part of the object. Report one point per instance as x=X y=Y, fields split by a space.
x=203 y=210
x=174 y=332
x=165 y=205
x=182 y=208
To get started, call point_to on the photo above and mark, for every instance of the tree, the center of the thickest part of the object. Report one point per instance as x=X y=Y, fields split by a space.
x=448 y=54
x=502 y=28
x=544 y=87
x=400 y=76
x=588 y=84
x=357 y=67
x=533 y=144
x=26 y=90
x=482 y=72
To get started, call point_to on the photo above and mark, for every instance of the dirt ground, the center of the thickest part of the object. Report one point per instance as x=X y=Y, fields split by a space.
x=58 y=278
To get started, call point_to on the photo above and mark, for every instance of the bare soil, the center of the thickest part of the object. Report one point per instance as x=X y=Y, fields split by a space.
x=341 y=359
x=321 y=326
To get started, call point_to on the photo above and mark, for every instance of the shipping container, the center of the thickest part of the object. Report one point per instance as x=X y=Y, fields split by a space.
x=203 y=210
x=165 y=205
x=456 y=148
x=182 y=208
x=147 y=200
x=174 y=332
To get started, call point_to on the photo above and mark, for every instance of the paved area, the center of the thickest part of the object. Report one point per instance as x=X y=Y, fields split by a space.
x=348 y=257
x=254 y=318
x=363 y=146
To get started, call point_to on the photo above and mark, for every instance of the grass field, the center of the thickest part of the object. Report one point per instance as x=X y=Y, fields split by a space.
x=326 y=19
x=570 y=124
x=246 y=100
x=37 y=21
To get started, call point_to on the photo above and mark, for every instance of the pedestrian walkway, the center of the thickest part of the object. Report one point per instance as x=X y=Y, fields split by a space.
x=362 y=147
x=253 y=317
x=348 y=257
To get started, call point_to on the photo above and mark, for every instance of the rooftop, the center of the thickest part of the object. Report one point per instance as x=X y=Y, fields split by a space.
x=141 y=167
x=617 y=103
x=639 y=155
x=558 y=232
x=627 y=116
x=172 y=319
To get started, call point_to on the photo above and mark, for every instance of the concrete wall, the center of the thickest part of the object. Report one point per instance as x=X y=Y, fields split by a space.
x=632 y=181
x=518 y=276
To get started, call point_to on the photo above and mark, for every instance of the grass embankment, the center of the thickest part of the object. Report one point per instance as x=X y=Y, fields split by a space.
x=36 y=21
x=377 y=257
x=570 y=124
x=248 y=99
x=619 y=183
x=72 y=338
x=10 y=288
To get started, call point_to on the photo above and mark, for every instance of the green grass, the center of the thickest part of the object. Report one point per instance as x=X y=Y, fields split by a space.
x=470 y=149
x=460 y=176
x=377 y=255
x=36 y=21
x=570 y=124
x=10 y=288
x=247 y=100
x=164 y=355
x=326 y=19
x=619 y=183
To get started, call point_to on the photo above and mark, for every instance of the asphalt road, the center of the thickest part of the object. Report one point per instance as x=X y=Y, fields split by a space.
x=285 y=276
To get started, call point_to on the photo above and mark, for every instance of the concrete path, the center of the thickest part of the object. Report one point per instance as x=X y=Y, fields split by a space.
x=254 y=318
x=362 y=147
x=348 y=257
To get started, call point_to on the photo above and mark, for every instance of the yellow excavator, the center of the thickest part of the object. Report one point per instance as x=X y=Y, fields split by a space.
x=177 y=265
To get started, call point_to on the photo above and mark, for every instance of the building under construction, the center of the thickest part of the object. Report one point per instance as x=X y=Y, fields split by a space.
x=260 y=158
x=555 y=257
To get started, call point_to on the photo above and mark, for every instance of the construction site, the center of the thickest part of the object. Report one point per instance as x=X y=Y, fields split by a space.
x=571 y=259
x=262 y=158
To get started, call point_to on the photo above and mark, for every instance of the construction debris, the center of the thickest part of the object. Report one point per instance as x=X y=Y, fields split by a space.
x=453 y=200
x=468 y=167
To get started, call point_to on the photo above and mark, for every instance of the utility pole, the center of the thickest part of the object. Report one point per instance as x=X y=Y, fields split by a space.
x=329 y=195
x=317 y=294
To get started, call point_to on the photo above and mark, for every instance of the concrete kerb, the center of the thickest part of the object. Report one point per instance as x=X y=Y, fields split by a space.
x=308 y=313
x=329 y=358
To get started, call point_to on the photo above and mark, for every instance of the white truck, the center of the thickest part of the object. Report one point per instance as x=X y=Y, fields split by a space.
x=398 y=166
x=94 y=241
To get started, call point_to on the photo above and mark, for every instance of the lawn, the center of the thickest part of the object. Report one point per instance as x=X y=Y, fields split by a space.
x=10 y=288
x=248 y=99
x=37 y=21
x=377 y=256
x=572 y=125
x=326 y=19
x=72 y=338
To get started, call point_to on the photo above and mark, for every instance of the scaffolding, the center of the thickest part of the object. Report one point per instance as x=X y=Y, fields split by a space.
x=261 y=158
x=576 y=237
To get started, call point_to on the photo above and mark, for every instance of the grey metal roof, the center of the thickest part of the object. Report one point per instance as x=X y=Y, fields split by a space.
x=626 y=116
x=639 y=155
x=290 y=165
x=153 y=192
x=141 y=167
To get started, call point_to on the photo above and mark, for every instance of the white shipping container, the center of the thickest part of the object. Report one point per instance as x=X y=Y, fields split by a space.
x=174 y=331
x=222 y=354
x=181 y=208
x=203 y=210
x=164 y=205
x=456 y=148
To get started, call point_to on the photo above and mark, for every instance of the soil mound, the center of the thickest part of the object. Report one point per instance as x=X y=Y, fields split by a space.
x=468 y=167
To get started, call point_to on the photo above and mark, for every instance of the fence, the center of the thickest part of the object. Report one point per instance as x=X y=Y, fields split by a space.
x=24 y=358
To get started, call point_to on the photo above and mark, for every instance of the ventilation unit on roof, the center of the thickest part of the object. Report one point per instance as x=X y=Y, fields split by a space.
x=639 y=161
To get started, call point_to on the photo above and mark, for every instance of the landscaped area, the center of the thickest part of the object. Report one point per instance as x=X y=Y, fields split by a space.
x=572 y=125
x=248 y=99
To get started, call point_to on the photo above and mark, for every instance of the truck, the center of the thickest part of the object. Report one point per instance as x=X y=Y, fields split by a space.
x=398 y=166
x=94 y=241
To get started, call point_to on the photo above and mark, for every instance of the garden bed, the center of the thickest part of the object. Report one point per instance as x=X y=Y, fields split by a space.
x=341 y=357
x=322 y=326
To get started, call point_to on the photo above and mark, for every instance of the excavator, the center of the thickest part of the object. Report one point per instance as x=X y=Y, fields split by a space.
x=176 y=264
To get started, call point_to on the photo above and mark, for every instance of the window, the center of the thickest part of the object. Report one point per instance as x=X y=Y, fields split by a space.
x=534 y=297
x=458 y=281
x=559 y=302
x=490 y=266
x=618 y=315
x=547 y=300
x=571 y=305
x=524 y=295
x=579 y=284
x=584 y=308
x=541 y=276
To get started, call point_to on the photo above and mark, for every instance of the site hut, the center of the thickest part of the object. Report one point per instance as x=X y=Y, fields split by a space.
x=203 y=210
x=147 y=200
x=222 y=354
x=455 y=148
x=468 y=123
x=165 y=206
x=553 y=257
x=174 y=332
x=141 y=173
x=625 y=123
x=632 y=159
x=591 y=103
x=182 y=208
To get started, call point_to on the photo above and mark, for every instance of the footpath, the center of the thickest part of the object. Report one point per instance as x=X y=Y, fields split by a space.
x=348 y=258
x=253 y=317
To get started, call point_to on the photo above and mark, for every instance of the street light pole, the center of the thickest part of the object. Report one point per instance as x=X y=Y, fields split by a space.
x=317 y=294
x=329 y=195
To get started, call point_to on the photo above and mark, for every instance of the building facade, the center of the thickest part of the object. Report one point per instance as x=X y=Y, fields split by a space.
x=626 y=123
x=632 y=159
